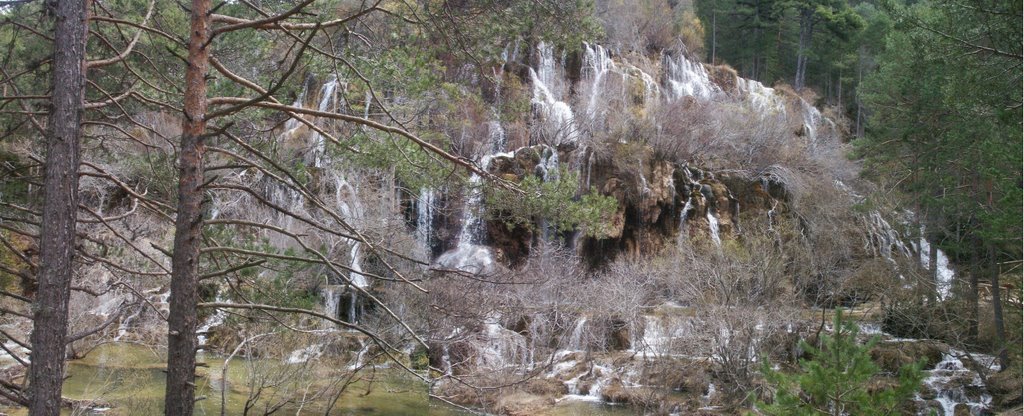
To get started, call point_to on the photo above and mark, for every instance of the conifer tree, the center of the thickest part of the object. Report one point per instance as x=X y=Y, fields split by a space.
x=836 y=380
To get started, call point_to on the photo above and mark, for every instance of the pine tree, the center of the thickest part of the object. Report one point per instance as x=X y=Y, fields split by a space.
x=837 y=378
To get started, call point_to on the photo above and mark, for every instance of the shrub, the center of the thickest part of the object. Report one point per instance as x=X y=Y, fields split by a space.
x=839 y=379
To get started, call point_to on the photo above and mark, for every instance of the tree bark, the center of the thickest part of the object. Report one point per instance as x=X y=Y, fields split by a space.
x=806 y=30
x=181 y=337
x=933 y=261
x=972 y=298
x=60 y=197
x=997 y=308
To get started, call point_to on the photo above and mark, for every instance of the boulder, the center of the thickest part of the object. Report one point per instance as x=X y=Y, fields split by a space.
x=890 y=356
x=615 y=392
x=1006 y=389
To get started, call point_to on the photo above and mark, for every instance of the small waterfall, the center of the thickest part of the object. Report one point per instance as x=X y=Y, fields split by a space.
x=327 y=99
x=496 y=138
x=350 y=207
x=686 y=78
x=305 y=354
x=884 y=238
x=954 y=383
x=576 y=338
x=553 y=111
x=425 y=217
x=361 y=355
x=469 y=255
x=761 y=98
x=332 y=298
x=713 y=227
x=597 y=63
x=944 y=281
x=501 y=347
x=292 y=123
x=213 y=321
x=812 y=118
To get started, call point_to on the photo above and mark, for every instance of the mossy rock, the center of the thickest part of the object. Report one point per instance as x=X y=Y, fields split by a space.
x=1006 y=388
x=890 y=356
x=615 y=392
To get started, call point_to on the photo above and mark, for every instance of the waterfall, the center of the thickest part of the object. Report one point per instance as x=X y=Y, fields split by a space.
x=292 y=123
x=332 y=298
x=576 y=338
x=713 y=227
x=496 y=137
x=761 y=98
x=812 y=118
x=884 y=238
x=944 y=280
x=596 y=64
x=425 y=218
x=347 y=200
x=954 y=383
x=501 y=347
x=685 y=78
x=469 y=255
x=319 y=150
x=547 y=97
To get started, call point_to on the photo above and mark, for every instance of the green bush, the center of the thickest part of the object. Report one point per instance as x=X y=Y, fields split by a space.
x=839 y=379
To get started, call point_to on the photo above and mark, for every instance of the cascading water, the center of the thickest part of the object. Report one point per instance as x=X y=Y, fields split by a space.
x=761 y=98
x=597 y=63
x=576 y=338
x=425 y=218
x=812 y=119
x=945 y=274
x=502 y=347
x=469 y=255
x=332 y=298
x=327 y=100
x=686 y=78
x=547 y=97
x=497 y=137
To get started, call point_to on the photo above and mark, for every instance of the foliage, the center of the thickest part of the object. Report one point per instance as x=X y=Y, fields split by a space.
x=948 y=120
x=556 y=201
x=839 y=379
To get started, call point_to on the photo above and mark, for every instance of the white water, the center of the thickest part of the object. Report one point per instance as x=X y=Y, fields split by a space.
x=944 y=281
x=597 y=63
x=761 y=98
x=425 y=217
x=327 y=99
x=547 y=97
x=501 y=347
x=469 y=255
x=497 y=136
x=954 y=383
x=332 y=299
x=576 y=338
x=213 y=321
x=713 y=227
x=351 y=210
x=686 y=78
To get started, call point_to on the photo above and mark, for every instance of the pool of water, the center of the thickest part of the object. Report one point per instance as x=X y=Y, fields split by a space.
x=122 y=379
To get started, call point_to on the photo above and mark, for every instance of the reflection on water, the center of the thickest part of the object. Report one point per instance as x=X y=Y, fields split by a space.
x=122 y=379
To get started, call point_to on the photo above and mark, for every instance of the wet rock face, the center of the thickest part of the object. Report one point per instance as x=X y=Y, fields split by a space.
x=657 y=201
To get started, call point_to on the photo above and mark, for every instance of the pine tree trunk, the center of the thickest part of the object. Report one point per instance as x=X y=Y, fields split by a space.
x=997 y=308
x=933 y=261
x=972 y=320
x=181 y=337
x=60 y=208
x=806 y=23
